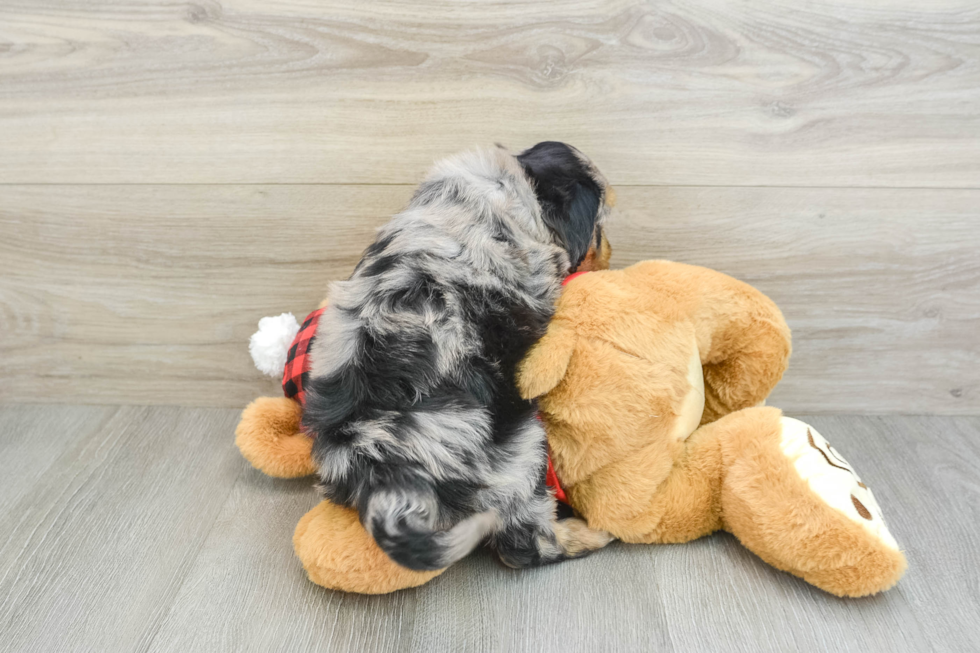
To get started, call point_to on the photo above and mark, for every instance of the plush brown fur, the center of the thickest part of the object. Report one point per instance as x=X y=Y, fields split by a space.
x=619 y=395
x=611 y=409
x=642 y=453
x=270 y=438
x=338 y=553
x=774 y=513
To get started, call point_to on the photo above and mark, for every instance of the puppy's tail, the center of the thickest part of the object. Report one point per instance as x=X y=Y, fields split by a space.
x=403 y=523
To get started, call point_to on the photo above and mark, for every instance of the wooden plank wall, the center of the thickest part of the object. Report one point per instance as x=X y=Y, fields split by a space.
x=170 y=172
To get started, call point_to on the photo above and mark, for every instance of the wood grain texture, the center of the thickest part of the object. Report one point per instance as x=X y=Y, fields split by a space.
x=246 y=571
x=148 y=294
x=707 y=595
x=703 y=92
x=117 y=551
x=92 y=555
x=880 y=286
x=33 y=437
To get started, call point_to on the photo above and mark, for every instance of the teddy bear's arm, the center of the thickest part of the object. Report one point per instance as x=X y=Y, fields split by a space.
x=270 y=437
x=742 y=338
x=748 y=344
x=545 y=365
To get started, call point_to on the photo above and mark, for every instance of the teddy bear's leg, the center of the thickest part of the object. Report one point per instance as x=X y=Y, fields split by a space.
x=269 y=436
x=658 y=493
x=338 y=553
x=684 y=505
x=782 y=490
x=793 y=500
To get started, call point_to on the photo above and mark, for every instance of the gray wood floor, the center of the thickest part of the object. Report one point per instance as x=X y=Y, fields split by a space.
x=141 y=529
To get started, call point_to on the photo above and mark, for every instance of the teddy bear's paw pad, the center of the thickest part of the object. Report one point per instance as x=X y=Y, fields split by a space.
x=832 y=478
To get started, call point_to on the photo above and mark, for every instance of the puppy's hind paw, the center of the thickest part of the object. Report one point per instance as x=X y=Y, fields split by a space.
x=576 y=538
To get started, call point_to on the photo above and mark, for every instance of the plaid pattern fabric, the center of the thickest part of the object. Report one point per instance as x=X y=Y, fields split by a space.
x=297 y=369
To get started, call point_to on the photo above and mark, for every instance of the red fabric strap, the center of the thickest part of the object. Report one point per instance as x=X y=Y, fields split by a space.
x=297 y=369
x=551 y=480
x=572 y=276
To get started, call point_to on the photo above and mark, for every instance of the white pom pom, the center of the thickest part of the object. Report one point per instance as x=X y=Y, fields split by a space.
x=271 y=342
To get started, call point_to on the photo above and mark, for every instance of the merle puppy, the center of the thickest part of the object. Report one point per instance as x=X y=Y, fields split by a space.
x=412 y=397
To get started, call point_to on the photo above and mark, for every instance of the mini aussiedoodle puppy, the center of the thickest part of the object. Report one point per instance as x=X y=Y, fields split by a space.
x=412 y=396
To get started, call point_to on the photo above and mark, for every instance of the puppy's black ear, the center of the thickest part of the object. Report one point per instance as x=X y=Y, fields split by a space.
x=582 y=215
x=568 y=194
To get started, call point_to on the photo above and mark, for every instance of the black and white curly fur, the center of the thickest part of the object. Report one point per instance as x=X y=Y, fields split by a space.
x=412 y=397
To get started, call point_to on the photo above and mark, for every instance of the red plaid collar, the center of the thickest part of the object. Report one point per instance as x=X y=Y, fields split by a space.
x=297 y=370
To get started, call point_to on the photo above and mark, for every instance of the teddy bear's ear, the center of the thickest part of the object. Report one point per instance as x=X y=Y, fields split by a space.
x=545 y=365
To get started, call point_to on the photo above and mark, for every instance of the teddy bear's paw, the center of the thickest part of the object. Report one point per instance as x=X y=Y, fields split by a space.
x=832 y=478
x=269 y=436
x=338 y=553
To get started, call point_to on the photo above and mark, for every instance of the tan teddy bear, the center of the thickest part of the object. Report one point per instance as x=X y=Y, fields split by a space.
x=649 y=381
